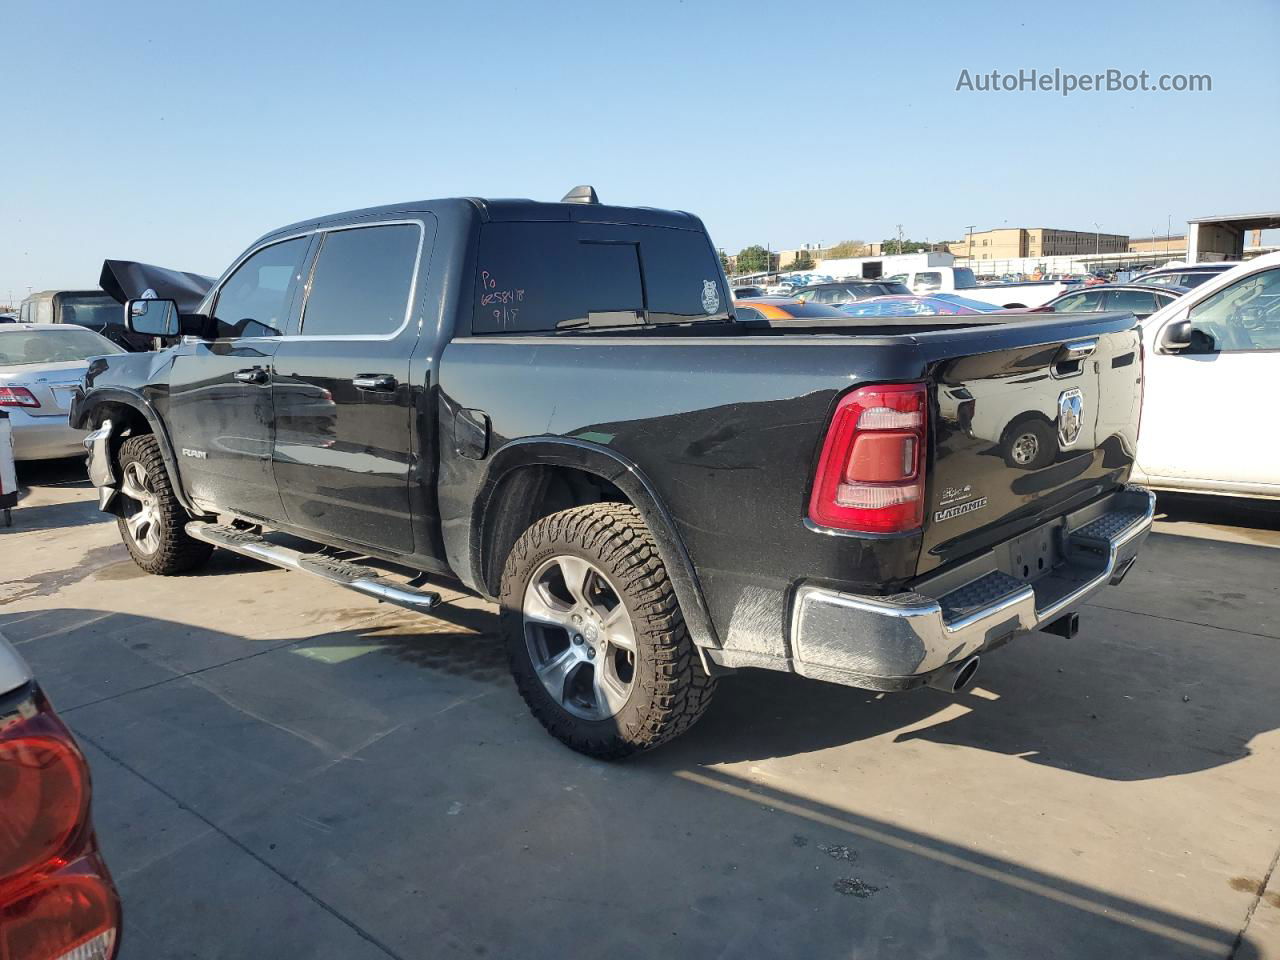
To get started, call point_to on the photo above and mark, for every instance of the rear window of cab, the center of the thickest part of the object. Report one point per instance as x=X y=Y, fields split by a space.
x=545 y=276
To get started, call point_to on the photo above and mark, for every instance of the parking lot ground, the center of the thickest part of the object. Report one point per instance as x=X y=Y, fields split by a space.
x=284 y=769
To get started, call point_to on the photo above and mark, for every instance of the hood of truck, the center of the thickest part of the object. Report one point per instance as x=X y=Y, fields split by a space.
x=1024 y=433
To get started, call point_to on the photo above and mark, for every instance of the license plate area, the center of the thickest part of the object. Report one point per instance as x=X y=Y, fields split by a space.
x=1034 y=554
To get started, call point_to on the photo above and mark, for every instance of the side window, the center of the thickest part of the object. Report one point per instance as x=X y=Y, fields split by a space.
x=549 y=276
x=1139 y=302
x=1164 y=280
x=1078 y=303
x=362 y=281
x=926 y=282
x=806 y=295
x=748 y=313
x=1243 y=316
x=253 y=302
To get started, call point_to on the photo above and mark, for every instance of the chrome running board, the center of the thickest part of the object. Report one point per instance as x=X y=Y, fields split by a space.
x=353 y=576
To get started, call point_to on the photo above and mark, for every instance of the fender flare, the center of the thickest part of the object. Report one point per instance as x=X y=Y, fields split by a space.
x=609 y=465
x=82 y=414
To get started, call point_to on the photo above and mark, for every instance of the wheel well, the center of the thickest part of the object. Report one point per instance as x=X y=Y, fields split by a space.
x=1014 y=306
x=526 y=495
x=126 y=422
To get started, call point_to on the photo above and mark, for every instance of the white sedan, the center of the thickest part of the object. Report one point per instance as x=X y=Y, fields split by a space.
x=41 y=367
x=1212 y=365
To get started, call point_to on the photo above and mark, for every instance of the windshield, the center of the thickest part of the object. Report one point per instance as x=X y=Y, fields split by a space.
x=18 y=347
x=88 y=310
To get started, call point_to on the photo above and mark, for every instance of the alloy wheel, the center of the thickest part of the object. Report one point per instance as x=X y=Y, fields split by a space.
x=580 y=637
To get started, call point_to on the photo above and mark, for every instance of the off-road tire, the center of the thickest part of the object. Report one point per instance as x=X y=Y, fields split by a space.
x=177 y=552
x=670 y=691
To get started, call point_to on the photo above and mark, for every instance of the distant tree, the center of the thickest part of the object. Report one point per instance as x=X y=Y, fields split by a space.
x=903 y=246
x=724 y=261
x=847 y=248
x=802 y=261
x=753 y=259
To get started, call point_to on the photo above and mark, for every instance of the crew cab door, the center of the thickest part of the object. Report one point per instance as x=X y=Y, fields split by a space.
x=220 y=392
x=344 y=440
x=1206 y=419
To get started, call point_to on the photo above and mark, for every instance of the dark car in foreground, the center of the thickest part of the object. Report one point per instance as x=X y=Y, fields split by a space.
x=57 y=899
x=558 y=405
x=1136 y=298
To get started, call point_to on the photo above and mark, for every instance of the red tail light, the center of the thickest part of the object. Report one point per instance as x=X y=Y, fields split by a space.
x=57 y=901
x=17 y=397
x=870 y=477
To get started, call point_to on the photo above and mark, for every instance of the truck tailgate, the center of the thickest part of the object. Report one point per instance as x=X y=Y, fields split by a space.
x=1025 y=433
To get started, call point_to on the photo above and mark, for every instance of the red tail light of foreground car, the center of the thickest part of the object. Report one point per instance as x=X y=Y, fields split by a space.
x=57 y=901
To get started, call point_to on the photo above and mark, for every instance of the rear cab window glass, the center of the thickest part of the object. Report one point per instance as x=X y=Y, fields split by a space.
x=545 y=276
x=362 y=280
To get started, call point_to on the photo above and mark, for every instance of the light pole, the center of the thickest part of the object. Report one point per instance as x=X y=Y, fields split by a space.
x=970 y=229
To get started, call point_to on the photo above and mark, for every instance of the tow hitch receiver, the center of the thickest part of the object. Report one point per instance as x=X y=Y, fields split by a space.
x=1066 y=625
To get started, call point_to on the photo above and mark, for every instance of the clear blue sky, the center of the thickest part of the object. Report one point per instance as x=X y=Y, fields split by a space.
x=177 y=132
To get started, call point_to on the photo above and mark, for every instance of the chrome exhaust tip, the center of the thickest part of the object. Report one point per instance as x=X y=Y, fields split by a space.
x=955 y=678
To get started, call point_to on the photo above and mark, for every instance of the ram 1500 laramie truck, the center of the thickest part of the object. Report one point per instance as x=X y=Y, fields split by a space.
x=555 y=404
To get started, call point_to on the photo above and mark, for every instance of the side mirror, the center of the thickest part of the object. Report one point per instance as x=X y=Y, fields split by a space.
x=1176 y=336
x=153 y=318
x=1181 y=336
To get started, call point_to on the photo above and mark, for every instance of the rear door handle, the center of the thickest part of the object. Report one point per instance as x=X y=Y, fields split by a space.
x=252 y=375
x=375 y=381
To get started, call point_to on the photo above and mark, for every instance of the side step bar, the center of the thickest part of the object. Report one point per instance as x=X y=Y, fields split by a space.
x=353 y=576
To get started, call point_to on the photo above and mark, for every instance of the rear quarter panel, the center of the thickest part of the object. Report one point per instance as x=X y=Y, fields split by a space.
x=726 y=432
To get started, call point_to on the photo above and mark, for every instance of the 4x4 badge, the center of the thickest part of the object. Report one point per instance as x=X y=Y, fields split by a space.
x=1070 y=416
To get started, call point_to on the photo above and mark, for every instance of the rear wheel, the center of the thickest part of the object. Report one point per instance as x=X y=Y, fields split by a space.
x=152 y=521
x=597 y=644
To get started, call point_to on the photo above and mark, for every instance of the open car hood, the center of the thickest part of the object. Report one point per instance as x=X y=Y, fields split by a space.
x=129 y=280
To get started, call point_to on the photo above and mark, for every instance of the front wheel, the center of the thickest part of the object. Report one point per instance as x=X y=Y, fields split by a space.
x=597 y=644
x=152 y=521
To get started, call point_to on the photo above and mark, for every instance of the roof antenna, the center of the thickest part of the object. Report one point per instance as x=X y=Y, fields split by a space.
x=584 y=193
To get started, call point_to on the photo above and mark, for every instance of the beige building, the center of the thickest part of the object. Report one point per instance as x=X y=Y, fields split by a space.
x=1009 y=243
x=1174 y=246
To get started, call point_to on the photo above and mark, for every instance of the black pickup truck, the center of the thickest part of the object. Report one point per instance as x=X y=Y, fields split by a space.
x=555 y=404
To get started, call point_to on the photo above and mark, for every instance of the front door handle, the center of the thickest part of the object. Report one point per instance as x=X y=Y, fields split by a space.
x=252 y=375
x=375 y=381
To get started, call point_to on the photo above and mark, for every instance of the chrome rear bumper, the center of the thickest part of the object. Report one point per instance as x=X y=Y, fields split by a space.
x=896 y=642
